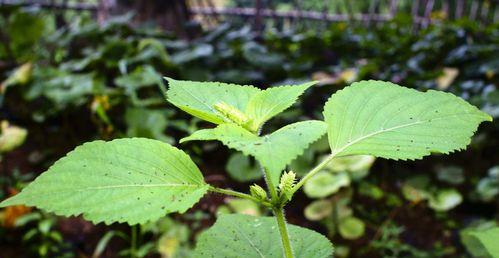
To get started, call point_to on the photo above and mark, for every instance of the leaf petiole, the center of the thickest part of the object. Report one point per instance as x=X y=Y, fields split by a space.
x=312 y=172
x=239 y=195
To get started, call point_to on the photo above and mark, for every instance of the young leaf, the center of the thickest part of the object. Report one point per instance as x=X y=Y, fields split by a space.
x=131 y=180
x=199 y=98
x=257 y=237
x=212 y=101
x=273 y=151
x=272 y=101
x=389 y=121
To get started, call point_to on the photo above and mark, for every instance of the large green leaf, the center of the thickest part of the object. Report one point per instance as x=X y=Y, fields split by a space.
x=389 y=121
x=273 y=151
x=489 y=239
x=235 y=236
x=199 y=99
x=131 y=180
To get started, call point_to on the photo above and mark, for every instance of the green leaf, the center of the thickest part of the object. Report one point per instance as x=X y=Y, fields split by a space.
x=445 y=200
x=318 y=210
x=11 y=136
x=351 y=228
x=240 y=168
x=244 y=206
x=351 y=163
x=389 y=121
x=199 y=99
x=147 y=123
x=416 y=188
x=272 y=101
x=324 y=184
x=131 y=180
x=257 y=237
x=273 y=151
x=451 y=174
x=489 y=240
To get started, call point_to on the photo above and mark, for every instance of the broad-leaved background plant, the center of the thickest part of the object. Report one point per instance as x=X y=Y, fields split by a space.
x=136 y=180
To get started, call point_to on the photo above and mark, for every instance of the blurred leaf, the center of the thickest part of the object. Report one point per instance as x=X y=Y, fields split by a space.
x=259 y=56
x=244 y=206
x=21 y=75
x=446 y=79
x=188 y=55
x=472 y=243
x=103 y=243
x=324 y=184
x=147 y=123
x=351 y=228
x=25 y=30
x=240 y=168
x=416 y=188
x=168 y=246
x=445 y=200
x=318 y=210
x=489 y=238
x=353 y=163
x=451 y=174
x=140 y=77
x=371 y=190
x=11 y=136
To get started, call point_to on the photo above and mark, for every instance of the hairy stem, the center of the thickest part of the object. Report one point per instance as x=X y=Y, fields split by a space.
x=283 y=230
x=270 y=185
x=312 y=172
x=266 y=175
x=239 y=195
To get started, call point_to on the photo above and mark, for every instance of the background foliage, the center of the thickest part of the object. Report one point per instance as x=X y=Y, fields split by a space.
x=64 y=85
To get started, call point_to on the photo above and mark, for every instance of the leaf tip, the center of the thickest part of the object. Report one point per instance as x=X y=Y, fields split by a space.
x=185 y=139
x=9 y=202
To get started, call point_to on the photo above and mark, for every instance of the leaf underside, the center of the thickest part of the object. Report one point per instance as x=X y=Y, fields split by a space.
x=132 y=180
x=235 y=236
x=273 y=151
x=386 y=120
x=199 y=99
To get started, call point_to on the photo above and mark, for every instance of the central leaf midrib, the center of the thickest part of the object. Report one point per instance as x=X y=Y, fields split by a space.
x=137 y=185
x=250 y=242
x=199 y=100
x=334 y=153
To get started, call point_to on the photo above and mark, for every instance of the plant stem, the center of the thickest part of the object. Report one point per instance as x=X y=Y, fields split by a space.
x=133 y=242
x=270 y=185
x=283 y=230
x=238 y=194
x=266 y=175
x=312 y=172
